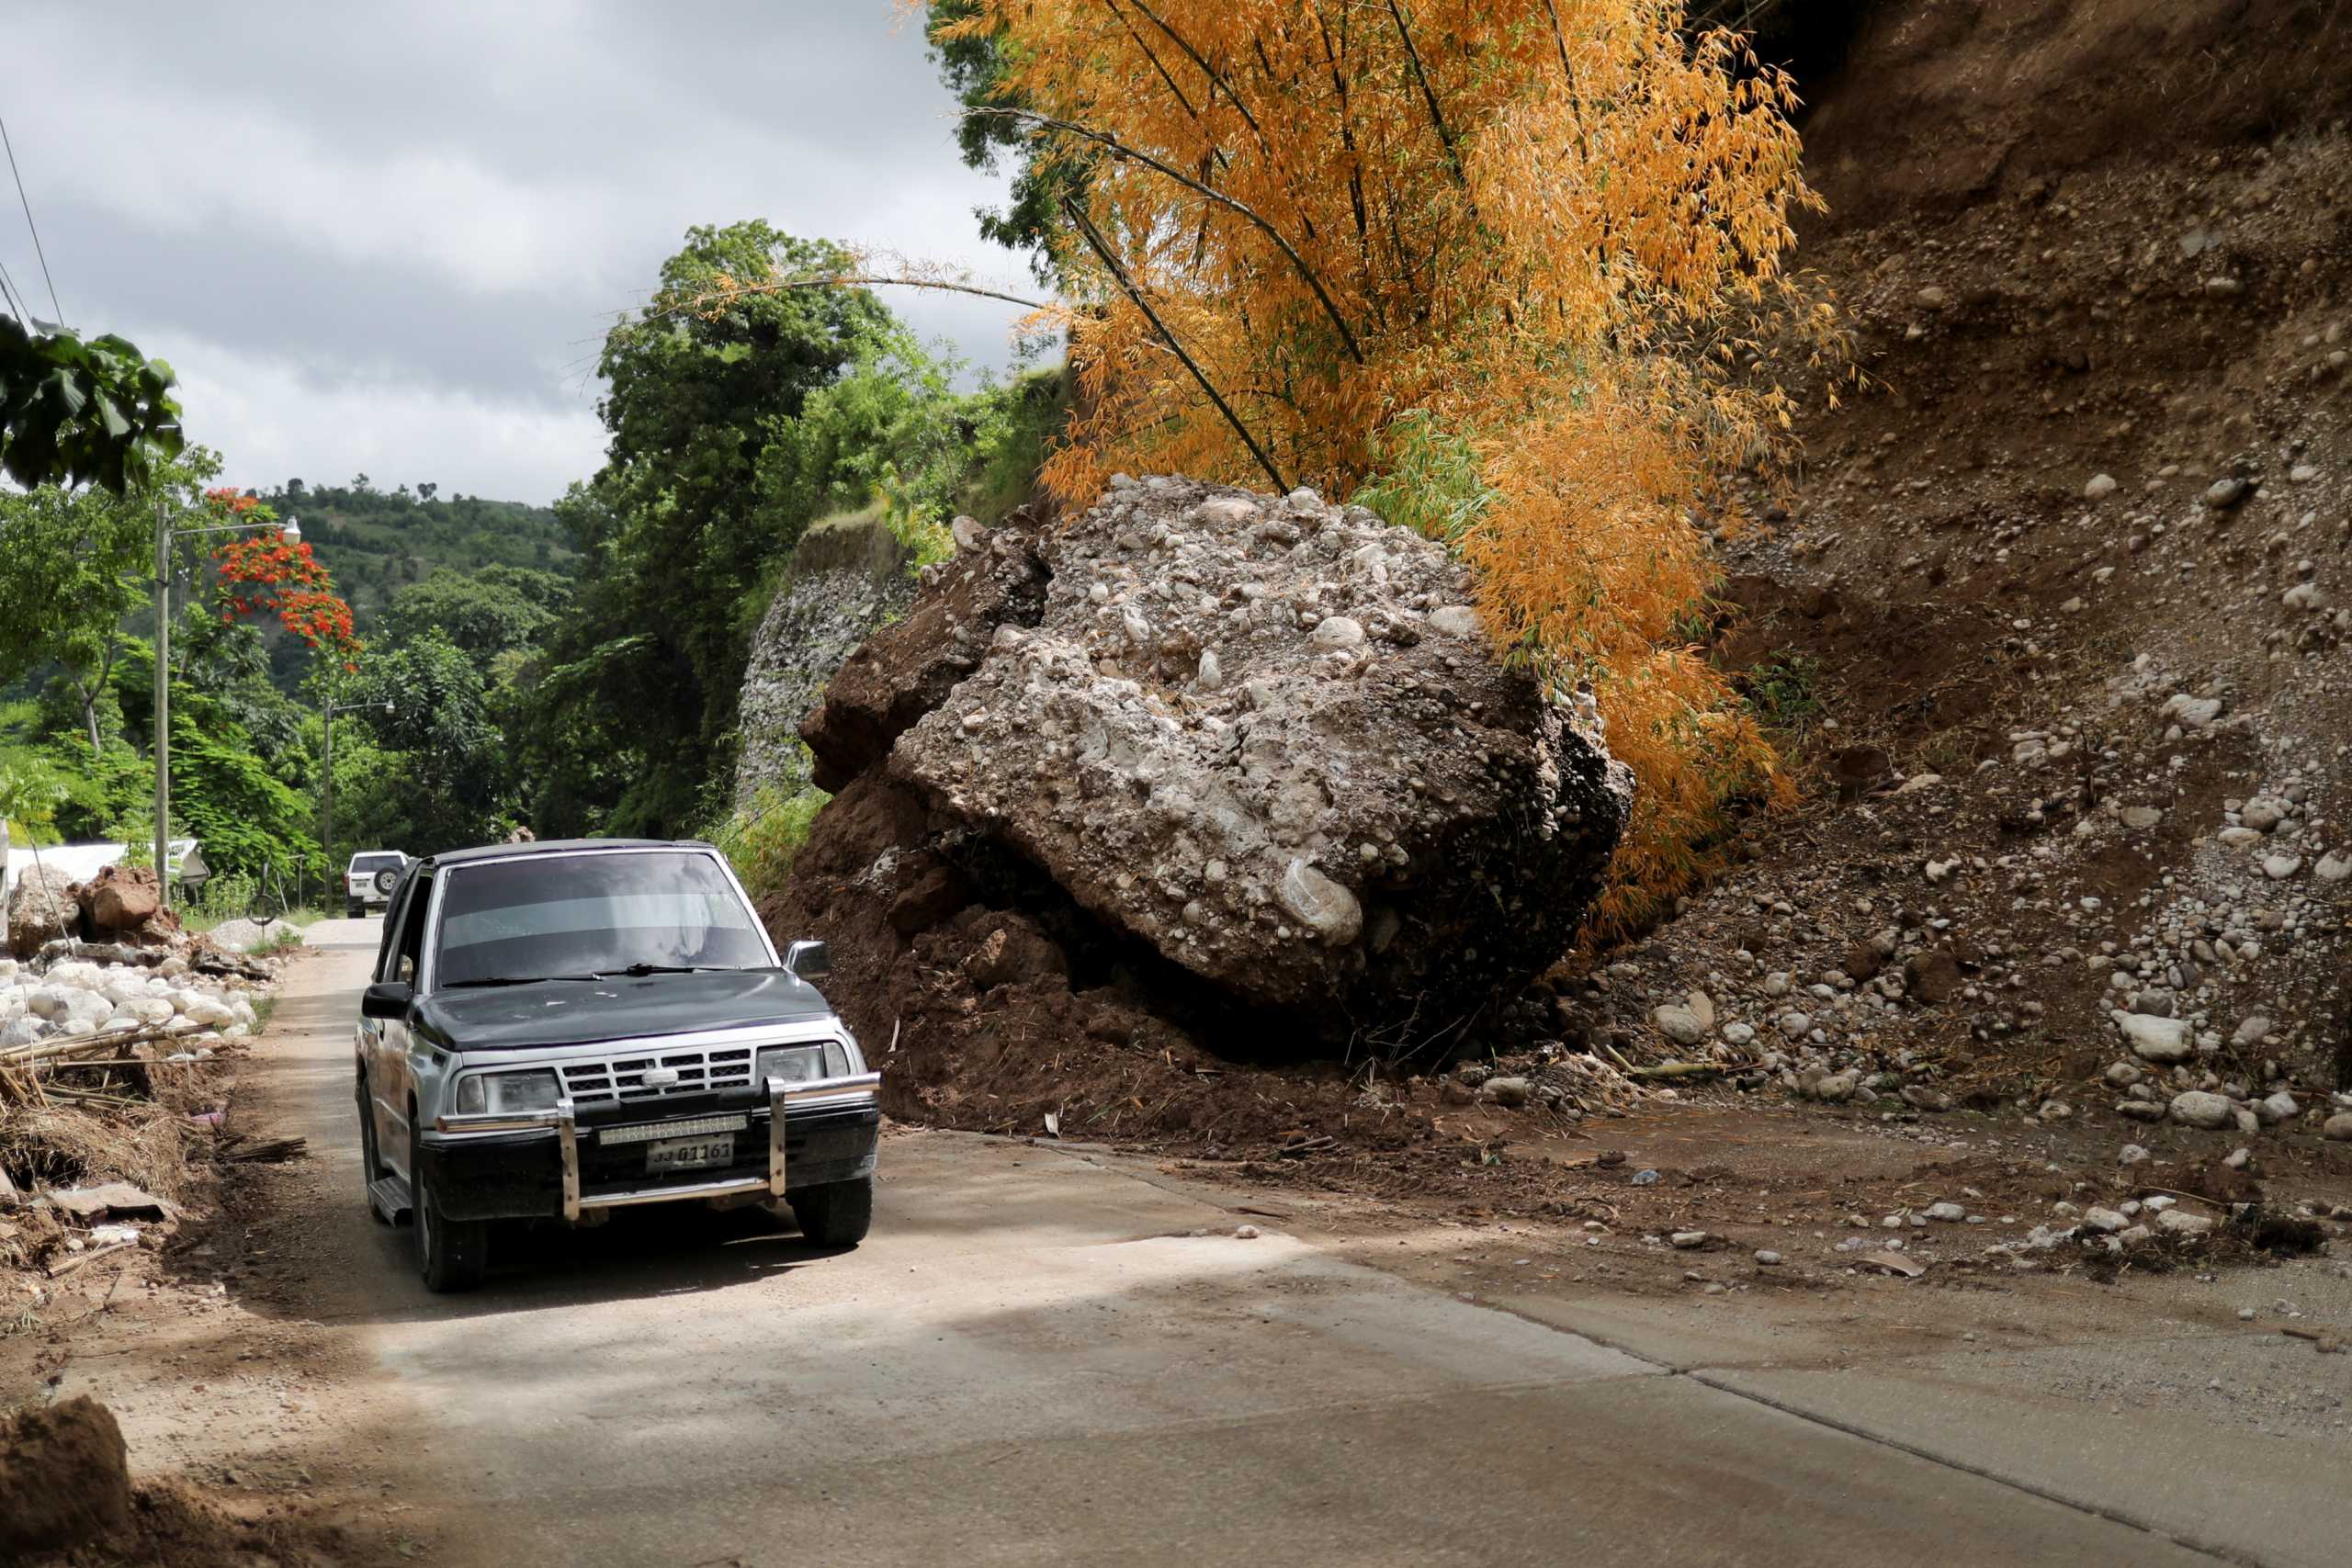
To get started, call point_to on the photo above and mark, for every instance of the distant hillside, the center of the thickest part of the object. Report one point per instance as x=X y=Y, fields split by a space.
x=376 y=542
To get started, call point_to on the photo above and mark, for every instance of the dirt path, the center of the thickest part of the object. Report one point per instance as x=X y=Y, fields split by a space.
x=1049 y=1357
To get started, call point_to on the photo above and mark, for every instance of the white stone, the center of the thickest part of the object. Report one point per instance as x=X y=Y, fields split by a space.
x=1322 y=904
x=2165 y=1039
x=2201 y=1109
x=2277 y=1108
x=1338 y=632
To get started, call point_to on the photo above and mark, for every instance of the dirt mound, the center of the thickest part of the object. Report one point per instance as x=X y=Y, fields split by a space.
x=1944 y=103
x=65 y=1479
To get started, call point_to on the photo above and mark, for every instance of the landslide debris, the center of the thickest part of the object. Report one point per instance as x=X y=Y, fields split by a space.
x=1199 y=764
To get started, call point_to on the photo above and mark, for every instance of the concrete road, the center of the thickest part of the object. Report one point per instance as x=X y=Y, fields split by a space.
x=1042 y=1357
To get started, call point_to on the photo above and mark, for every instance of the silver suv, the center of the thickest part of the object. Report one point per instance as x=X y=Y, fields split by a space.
x=558 y=1030
x=368 y=880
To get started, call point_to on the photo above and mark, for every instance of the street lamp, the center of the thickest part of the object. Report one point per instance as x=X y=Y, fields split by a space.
x=164 y=534
x=326 y=782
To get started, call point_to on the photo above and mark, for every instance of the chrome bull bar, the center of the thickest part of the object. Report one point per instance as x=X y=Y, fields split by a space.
x=853 y=1090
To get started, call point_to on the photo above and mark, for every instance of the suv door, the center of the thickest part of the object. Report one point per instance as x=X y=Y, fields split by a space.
x=401 y=958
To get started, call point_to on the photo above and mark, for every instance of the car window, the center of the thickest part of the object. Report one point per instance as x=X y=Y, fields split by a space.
x=389 y=941
x=542 y=916
x=370 y=863
x=409 y=954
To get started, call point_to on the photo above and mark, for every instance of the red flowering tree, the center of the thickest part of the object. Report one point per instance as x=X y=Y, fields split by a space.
x=264 y=572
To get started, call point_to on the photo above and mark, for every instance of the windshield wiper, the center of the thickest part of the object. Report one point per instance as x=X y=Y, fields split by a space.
x=515 y=980
x=642 y=969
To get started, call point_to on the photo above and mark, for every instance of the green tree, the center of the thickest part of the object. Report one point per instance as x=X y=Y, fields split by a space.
x=676 y=529
x=74 y=566
x=486 y=613
x=450 y=756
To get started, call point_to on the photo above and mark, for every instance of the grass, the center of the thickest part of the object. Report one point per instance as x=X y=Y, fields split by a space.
x=1784 y=692
x=762 y=840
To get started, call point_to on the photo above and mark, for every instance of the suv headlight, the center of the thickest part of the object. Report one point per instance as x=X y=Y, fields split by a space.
x=506 y=1094
x=801 y=1064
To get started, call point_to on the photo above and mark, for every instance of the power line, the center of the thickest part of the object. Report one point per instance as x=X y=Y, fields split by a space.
x=26 y=202
x=9 y=296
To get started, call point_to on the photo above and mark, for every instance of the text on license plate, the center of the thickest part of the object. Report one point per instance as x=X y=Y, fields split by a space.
x=690 y=1154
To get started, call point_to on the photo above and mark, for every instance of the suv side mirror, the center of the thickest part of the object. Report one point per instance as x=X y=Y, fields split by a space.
x=388 y=999
x=809 y=960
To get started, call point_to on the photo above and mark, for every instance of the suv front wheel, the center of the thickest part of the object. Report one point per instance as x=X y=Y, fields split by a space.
x=452 y=1255
x=836 y=1214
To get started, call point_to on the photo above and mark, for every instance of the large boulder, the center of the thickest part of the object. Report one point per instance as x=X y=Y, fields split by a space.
x=1268 y=738
x=124 y=904
x=42 y=908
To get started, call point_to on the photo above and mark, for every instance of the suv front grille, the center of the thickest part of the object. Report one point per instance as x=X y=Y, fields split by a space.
x=621 y=1079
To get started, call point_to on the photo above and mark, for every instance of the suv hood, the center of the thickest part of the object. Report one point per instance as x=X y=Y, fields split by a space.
x=579 y=1012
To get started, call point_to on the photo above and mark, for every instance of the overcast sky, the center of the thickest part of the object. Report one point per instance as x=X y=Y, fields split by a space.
x=386 y=238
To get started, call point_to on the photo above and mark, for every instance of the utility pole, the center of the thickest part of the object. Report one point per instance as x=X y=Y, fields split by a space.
x=162 y=699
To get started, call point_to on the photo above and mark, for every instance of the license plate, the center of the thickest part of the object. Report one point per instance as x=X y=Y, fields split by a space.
x=705 y=1153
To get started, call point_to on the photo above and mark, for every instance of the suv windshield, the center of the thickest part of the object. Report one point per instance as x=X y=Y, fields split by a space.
x=551 y=917
x=363 y=863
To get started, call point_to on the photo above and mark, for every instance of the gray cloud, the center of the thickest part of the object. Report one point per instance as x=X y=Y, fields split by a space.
x=389 y=238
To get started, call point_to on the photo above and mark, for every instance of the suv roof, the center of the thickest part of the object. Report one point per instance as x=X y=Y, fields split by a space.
x=560 y=846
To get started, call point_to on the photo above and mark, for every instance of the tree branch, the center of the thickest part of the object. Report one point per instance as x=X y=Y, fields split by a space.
x=1428 y=97
x=1118 y=149
x=851 y=280
x=1101 y=248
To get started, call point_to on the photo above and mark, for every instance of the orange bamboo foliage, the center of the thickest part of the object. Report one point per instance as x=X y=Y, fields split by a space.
x=1554 y=231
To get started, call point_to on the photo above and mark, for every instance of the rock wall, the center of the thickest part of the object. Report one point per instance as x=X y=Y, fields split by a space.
x=849 y=577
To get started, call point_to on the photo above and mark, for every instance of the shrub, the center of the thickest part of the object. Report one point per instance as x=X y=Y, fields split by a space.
x=762 y=839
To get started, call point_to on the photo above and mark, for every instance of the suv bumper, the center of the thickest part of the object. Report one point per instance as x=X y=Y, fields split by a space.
x=550 y=1164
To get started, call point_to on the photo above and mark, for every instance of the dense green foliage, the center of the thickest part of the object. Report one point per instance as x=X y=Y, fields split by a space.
x=705 y=482
x=83 y=413
x=74 y=565
x=379 y=542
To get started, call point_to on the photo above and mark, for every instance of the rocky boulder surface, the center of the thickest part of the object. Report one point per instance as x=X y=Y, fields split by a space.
x=1196 y=754
x=42 y=908
x=1267 y=737
x=849 y=577
x=124 y=904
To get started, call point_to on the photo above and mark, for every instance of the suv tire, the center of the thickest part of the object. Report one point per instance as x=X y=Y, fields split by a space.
x=370 y=1167
x=354 y=911
x=451 y=1255
x=836 y=1214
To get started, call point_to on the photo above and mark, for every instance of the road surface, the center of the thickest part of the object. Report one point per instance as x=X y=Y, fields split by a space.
x=1047 y=1358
